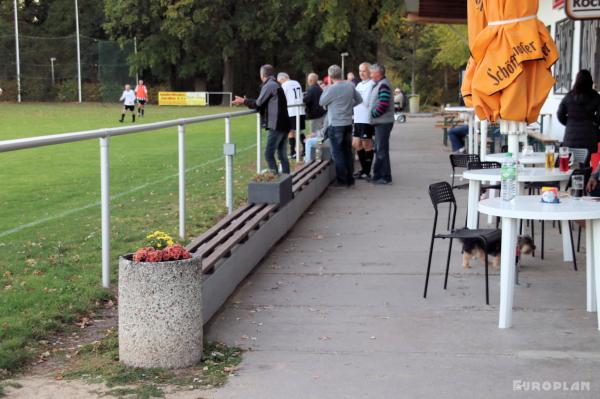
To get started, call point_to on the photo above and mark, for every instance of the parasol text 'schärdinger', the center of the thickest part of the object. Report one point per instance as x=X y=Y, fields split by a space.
x=508 y=76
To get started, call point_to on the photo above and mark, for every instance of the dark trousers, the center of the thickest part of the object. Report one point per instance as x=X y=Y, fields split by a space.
x=341 y=150
x=382 y=168
x=277 y=142
x=457 y=136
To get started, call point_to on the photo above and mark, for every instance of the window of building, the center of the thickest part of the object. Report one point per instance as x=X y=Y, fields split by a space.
x=590 y=49
x=564 y=30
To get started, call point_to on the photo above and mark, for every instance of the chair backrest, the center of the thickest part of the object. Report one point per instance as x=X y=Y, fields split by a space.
x=462 y=160
x=579 y=155
x=585 y=172
x=483 y=165
x=440 y=193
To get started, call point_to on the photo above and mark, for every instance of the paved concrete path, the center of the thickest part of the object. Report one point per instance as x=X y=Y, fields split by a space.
x=336 y=310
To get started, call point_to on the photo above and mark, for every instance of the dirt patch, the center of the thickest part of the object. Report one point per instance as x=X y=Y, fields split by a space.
x=83 y=363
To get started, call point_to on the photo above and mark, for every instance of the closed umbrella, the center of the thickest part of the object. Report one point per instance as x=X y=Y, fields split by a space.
x=476 y=22
x=512 y=58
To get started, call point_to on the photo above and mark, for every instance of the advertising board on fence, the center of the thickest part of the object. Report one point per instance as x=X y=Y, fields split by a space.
x=194 y=98
x=583 y=9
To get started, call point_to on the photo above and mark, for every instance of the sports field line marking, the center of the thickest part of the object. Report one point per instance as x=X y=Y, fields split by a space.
x=113 y=197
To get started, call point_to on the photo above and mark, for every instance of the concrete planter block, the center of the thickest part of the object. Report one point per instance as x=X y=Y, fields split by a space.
x=160 y=313
x=325 y=152
x=274 y=192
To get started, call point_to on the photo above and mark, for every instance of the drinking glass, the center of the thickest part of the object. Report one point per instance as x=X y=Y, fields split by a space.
x=577 y=184
x=563 y=160
x=527 y=150
x=549 y=157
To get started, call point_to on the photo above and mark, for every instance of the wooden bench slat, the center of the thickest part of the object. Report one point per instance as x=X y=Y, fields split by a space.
x=209 y=246
x=305 y=170
x=239 y=235
x=311 y=175
x=210 y=233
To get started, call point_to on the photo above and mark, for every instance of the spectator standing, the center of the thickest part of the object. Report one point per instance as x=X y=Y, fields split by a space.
x=340 y=98
x=314 y=113
x=382 y=119
x=141 y=97
x=350 y=77
x=128 y=98
x=293 y=95
x=272 y=105
x=579 y=111
x=363 y=130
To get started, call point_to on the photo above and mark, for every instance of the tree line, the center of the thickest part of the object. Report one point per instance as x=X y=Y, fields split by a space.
x=218 y=45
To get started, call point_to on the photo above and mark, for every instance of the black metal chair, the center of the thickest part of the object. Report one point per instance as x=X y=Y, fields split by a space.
x=442 y=193
x=473 y=165
x=579 y=156
x=460 y=161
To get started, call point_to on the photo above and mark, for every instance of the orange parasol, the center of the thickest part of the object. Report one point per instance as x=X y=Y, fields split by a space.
x=512 y=58
x=476 y=23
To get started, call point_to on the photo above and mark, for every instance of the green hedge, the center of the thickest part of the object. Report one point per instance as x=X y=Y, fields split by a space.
x=66 y=91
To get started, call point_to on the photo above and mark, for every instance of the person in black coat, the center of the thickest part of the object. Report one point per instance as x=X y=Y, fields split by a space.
x=579 y=111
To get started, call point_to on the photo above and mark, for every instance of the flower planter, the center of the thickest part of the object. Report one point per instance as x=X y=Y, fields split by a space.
x=160 y=313
x=273 y=192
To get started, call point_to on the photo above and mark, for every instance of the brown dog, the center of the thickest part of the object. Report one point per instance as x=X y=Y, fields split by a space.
x=472 y=249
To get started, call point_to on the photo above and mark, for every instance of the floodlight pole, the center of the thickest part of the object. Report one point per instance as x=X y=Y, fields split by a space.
x=78 y=50
x=137 y=77
x=52 y=59
x=17 y=53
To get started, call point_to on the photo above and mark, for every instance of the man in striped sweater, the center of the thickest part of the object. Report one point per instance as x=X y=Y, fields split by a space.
x=382 y=119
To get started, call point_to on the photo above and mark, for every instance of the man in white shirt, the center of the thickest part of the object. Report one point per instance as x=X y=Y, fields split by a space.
x=294 y=97
x=128 y=98
x=363 y=130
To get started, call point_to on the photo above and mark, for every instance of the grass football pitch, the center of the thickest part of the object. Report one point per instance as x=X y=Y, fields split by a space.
x=50 y=213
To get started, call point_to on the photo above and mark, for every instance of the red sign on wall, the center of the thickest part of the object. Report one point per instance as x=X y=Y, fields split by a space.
x=558 y=3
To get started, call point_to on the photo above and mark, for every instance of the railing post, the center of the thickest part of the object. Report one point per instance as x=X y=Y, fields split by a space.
x=105 y=201
x=258 y=143
x=181 y=135
x=298 y=143
x=229 y=151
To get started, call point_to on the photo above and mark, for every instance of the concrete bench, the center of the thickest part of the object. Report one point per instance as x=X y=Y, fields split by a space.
x=233 y=246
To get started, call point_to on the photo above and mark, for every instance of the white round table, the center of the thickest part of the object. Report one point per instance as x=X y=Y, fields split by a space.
x=524 y=175
x=536 y=158
x=531 y=207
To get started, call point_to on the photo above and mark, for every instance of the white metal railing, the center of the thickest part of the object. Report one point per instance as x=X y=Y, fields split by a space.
x=104 y=135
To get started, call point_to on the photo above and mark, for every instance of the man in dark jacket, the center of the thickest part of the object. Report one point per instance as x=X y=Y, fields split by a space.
x=272 y=106
x=314 y=112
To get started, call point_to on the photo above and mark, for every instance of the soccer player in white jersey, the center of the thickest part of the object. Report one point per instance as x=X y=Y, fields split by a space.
x=294 y=96
x=363 y=130
x=128 y=98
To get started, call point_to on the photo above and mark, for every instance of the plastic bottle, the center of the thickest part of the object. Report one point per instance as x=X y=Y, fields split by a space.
x=508 y=185
x=318 y=152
